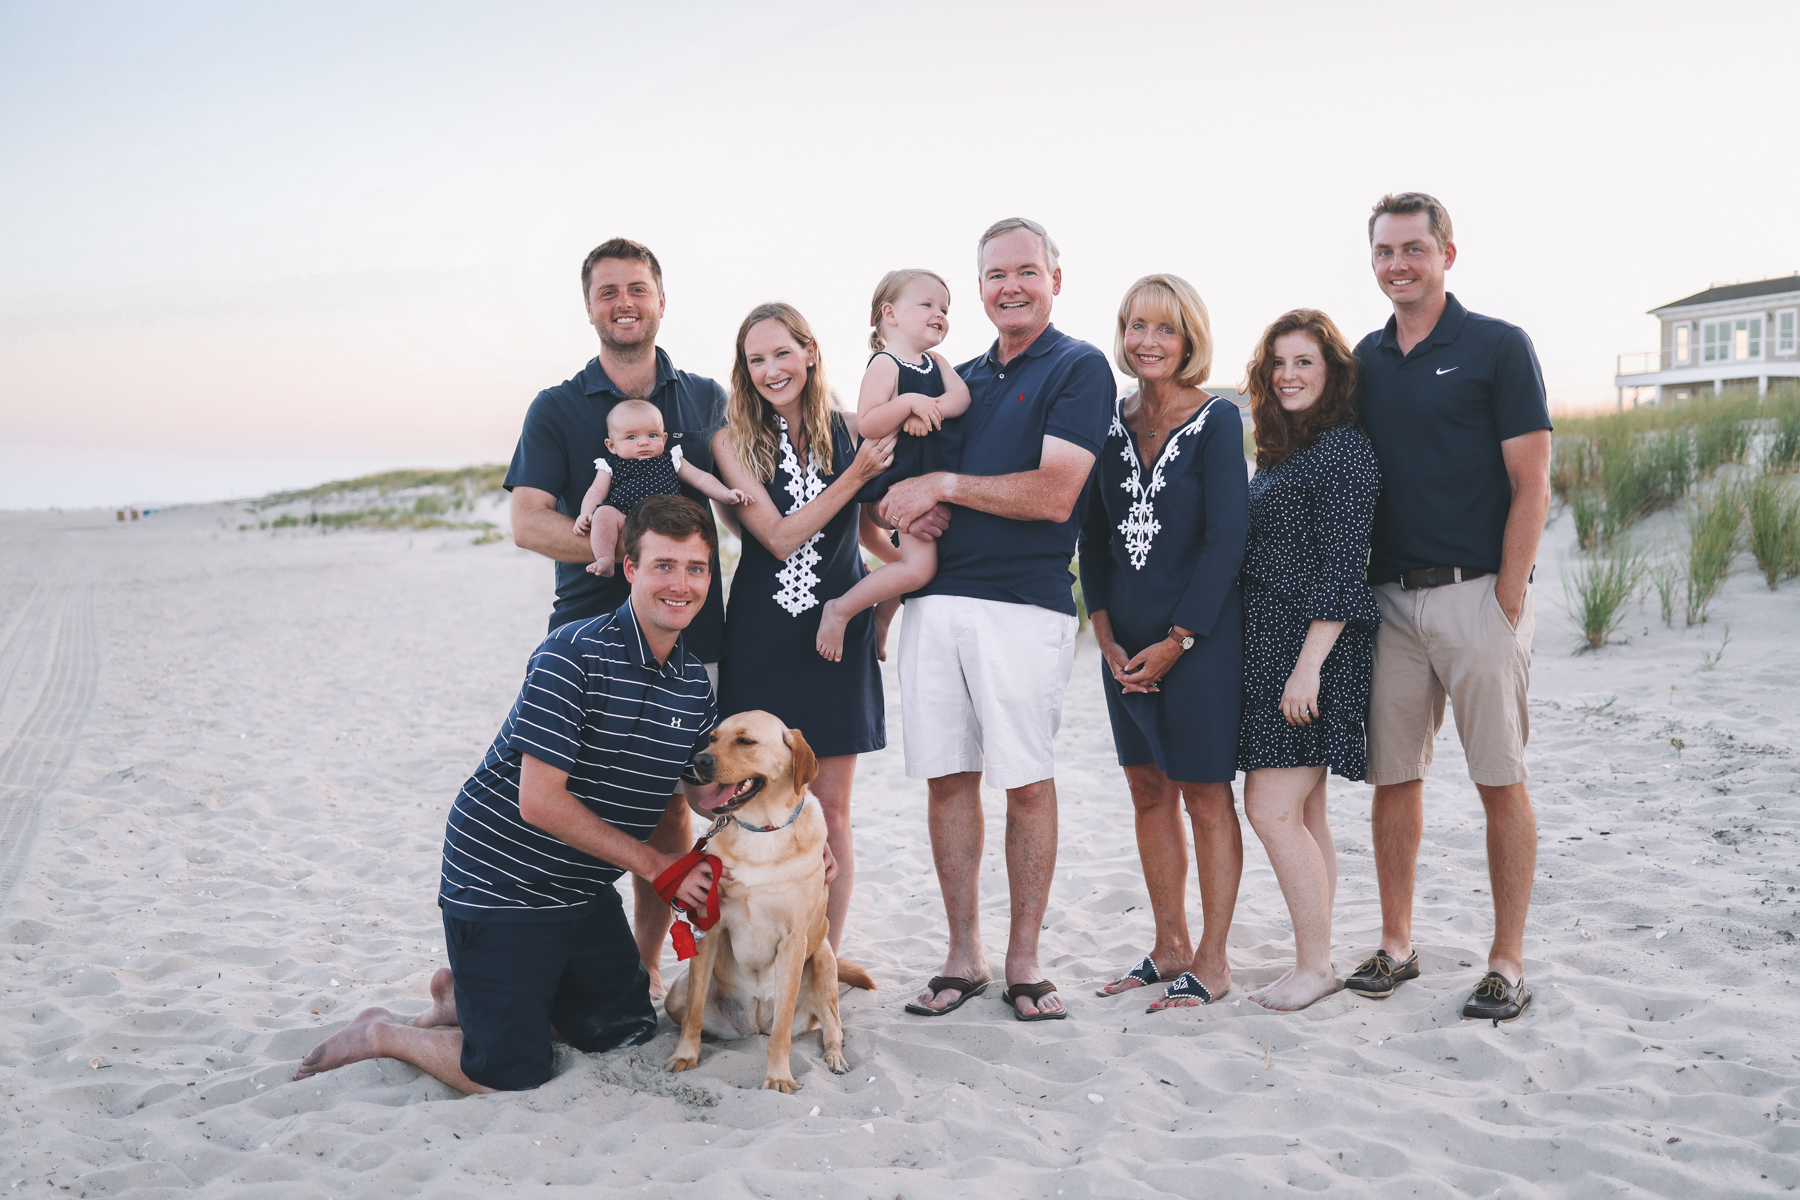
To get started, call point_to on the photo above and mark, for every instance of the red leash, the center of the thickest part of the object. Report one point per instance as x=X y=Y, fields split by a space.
x=669 y=882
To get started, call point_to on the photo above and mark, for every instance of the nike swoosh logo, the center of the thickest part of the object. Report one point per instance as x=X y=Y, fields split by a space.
x=1447 y=370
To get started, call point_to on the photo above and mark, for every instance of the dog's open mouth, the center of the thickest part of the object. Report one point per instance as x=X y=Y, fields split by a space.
x=722 y=798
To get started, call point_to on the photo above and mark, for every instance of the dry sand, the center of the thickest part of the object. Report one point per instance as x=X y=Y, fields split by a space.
x=241 y=748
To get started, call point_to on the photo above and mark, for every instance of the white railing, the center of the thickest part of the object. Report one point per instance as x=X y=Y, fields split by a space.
x=1649 y=362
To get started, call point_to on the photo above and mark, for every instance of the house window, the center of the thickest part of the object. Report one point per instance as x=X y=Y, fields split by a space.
x=1734 y=338
x=1784 y=330
x=1683 y=351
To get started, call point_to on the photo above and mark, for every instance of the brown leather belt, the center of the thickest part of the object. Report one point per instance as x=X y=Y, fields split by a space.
x=1430 y=577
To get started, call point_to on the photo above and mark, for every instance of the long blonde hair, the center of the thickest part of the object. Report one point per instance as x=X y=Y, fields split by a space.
x=755 y=434
x=888 y=291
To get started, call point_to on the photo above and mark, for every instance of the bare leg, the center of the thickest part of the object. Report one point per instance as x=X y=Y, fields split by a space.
x=884 y=618
x=650 y=915
x=833 y=787
x=1219 y=852
x=443 y=1003
x=378 y=1033
x=1319 y=826
x=1512 y=862
x=957 y=834
x=1397 y=821
x=1162 y=849
x=603 y=539
x=918 y=563
x=1276 y=801
x=1030 y=867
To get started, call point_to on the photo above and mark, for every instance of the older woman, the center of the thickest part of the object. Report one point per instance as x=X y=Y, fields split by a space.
x=1309 y=622
x=783 y=439
x=1160 y=548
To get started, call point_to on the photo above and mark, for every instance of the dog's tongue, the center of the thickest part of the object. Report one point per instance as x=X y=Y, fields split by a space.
x=716 y=795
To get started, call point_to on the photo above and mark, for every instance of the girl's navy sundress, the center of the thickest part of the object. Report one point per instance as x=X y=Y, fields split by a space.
x=1307 y=561
x=939 y=450
x=1161 y=544
x=770 y=660
x=637 y=479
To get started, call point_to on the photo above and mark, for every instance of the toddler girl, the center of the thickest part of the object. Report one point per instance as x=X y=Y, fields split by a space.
x=635 y=466
x=910 y=388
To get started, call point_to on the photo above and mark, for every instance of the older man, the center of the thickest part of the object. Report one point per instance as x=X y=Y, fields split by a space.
x=986 y=647
x=1454 y=404
x=553 y=466
x=611 y=711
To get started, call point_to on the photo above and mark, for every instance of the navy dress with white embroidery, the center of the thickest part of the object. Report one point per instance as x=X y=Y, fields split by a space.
x=1161 y=544
x=771 y=660
x=1308 y=555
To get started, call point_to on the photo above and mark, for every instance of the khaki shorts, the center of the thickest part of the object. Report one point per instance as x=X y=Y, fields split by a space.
x=1450 y=641
x=981 y=684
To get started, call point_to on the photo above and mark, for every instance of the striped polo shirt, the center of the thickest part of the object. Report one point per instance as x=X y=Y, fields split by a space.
x=595 y=704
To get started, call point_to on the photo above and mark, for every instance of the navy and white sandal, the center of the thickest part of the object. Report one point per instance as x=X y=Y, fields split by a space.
x=1185 y=987
x=1145 y=973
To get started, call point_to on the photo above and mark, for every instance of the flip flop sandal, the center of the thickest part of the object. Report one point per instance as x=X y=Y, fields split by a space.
x=1145 y=973
x=1032 y=991
x=970 y=988
x=1186 y=986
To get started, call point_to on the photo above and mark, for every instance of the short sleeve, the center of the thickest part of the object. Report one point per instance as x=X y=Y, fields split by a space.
x=675 y=457
x=1520 y=404
x=551 y=706
x=1082 y=411
x=600 y=464
x=539 y=460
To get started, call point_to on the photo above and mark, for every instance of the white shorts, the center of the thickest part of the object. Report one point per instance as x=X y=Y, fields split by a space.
x=981 y=682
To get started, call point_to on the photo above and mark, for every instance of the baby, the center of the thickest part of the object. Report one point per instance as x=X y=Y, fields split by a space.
x=635 y=466
x=909 y=387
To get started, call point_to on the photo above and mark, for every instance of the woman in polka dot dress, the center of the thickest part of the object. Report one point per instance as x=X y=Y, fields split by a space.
x=1309 y=623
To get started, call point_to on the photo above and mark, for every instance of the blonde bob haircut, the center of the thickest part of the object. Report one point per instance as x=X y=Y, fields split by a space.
x=755 y=430
x=1173 y=300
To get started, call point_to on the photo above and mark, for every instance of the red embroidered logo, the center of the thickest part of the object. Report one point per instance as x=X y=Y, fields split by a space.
x=1021 y=399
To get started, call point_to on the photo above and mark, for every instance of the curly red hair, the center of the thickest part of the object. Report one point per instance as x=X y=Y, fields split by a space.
x=1280 y=434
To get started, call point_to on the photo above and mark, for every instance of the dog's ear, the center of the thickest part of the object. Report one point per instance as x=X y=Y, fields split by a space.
x=806 y=765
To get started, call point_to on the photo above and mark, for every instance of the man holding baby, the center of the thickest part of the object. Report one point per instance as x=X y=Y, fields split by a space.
x=986 y=647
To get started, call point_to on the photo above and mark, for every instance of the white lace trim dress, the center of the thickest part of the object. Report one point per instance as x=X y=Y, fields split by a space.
x=797 y=577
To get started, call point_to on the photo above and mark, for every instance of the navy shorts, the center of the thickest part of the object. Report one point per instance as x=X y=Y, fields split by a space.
x=516 y=981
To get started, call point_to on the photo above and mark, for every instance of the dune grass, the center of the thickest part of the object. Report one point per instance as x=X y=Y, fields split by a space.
x=1772 y=511
x=1665 y=577
x=1599 y=591
x=468 y=481
x=1712 y=544
x=1782 y=452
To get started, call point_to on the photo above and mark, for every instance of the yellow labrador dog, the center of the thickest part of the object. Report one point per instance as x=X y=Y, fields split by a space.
x=769 y=967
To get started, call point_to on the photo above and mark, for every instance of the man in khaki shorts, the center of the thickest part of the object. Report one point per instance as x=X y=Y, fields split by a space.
x=987 y=645
x=1454 y=404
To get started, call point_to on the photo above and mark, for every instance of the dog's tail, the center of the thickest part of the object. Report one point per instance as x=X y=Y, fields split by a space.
x=848 y=972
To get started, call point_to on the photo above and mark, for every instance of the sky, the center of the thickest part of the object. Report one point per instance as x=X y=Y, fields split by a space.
x=252 y=246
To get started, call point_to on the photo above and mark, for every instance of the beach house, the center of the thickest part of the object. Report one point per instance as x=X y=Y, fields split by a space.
x=1730 y=335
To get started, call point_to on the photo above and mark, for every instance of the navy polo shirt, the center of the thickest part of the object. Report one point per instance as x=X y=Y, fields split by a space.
x=1437 y=417
x=596 y=704
x=565 y=431
x=1058 y=386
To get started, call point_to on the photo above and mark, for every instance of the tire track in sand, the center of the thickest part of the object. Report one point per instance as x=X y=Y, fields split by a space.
x=43 y=742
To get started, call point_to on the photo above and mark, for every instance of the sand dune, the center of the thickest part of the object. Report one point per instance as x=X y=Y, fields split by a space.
x=236 y=751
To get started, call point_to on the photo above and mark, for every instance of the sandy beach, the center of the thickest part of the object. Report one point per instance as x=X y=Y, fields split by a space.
x=225 y=760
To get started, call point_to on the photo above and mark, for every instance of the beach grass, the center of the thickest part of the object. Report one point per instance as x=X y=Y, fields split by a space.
x=1665 y=577
x=1712 y=544
x=1783 y=449
x=468 y=481
x=1599 y=590
x=1588 y=507
x=1772 y=511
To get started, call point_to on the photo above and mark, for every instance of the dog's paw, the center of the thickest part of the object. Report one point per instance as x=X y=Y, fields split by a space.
x=836 y=1062
x=781 y=1085
x=682 y=1062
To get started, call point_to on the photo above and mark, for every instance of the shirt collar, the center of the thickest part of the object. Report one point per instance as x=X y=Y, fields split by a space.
x=1039 y=347
x=1449 y=324
x=638 y=650
x=594 y=379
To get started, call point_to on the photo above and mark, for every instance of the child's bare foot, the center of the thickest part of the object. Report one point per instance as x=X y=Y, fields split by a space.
x=443 y=1002
x=884 y=617
x=1296 y=990
x=601 y=566
x=831 y=631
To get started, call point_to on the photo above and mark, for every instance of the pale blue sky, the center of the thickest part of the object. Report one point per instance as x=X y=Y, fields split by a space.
x=250 y=247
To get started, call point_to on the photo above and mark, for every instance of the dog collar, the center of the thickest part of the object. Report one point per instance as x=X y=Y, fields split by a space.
x=792 y=817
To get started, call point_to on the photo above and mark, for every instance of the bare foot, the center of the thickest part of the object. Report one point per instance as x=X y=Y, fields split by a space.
x=831 y=631
x=1296 y=990
x=601 y=566
x=884 y=617
x=443 y=1002
x=353 y=1043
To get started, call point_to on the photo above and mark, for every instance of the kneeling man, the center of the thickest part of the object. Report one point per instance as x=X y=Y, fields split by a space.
x=612 y=709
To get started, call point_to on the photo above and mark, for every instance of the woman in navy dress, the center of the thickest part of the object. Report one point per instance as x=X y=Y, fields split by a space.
x=1161 y=543
x=783 y=439
x=1309 y=623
